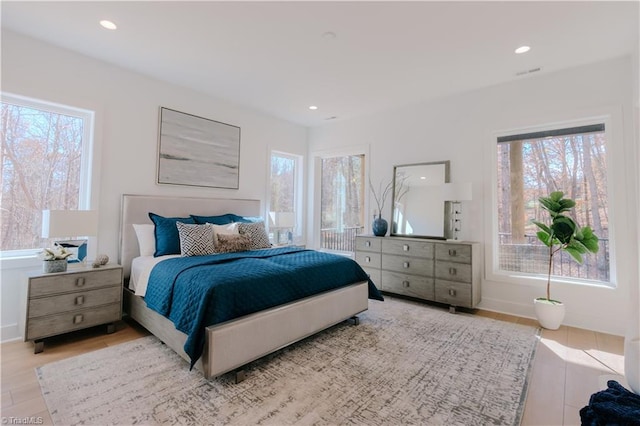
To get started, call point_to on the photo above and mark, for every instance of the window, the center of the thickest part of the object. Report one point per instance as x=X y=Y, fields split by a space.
x=342 y=201
x=572 y=160
x=46 y=150
x=284 y=210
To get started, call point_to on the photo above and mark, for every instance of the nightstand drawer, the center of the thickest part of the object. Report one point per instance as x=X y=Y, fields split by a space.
x=73 y=301
x=368 y=260
x=454 y=252
x=409 y=285
x=74 y=281
x=452 y=293
x=453 y=271
x=57 y=324
x=408 y=248
x=408 y=265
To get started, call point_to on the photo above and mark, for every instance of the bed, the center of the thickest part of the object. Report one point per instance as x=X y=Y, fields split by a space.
x=230 y=343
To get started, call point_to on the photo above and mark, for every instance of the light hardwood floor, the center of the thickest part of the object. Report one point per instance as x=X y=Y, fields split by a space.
x=570 y=364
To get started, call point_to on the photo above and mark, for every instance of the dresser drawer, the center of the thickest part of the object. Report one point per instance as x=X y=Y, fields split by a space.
x=374 y=275
x=74 y=281
x=407 y=265
x=368 y=259
x=368 y=244
x=408 y=248
x=56 y=324
x=408 y=285
x=74 y=301
x=453 y=271
x=453 y=252
x=453 y=293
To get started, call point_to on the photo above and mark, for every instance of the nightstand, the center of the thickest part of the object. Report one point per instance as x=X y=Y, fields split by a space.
x=79 y=298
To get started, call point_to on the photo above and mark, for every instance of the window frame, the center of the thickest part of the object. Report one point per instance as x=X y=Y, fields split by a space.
x=316 y=172
x=492 y=267
x=86 y=165
x=298 y=194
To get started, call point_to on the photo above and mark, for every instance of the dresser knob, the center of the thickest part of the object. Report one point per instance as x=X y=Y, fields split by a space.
x=452 y=292
x=80 y=300
x=77 y=319
x=367 y=243
x=405 y=284
x=405 y=247
x=405 y=265
x=367 y=259
x=452 y=271
x=452 y=252
x=80 y=282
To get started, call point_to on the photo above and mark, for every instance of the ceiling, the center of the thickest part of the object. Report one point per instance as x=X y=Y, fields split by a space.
x=277 y=57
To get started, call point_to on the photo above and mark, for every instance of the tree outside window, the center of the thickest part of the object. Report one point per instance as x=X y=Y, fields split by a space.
x=533 y=165
x=42 y=166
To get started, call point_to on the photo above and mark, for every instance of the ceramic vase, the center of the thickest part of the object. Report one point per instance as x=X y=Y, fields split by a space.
x=379 y=227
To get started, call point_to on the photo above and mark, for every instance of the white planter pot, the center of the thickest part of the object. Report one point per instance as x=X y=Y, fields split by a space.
x=550 y=315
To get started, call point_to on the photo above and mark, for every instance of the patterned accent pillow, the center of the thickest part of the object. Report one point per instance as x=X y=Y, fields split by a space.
x=229 y=243
x=256 y=232
x=195 y=240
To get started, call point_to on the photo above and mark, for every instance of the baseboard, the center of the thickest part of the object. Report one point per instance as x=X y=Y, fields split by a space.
x=9 y=333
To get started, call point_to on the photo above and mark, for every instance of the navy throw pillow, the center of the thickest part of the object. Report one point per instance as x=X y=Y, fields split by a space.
x=166 y=232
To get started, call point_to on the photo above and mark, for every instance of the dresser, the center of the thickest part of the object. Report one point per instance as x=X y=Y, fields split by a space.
x=79 y=298
x=441 y=271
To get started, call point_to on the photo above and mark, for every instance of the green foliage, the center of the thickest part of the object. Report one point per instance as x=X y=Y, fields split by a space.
x=563 y=233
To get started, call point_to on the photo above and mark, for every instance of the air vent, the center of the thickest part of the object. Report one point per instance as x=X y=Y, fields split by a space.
x=531 y=71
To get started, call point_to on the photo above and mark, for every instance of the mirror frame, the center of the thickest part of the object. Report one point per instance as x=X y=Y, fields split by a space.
x=445 y=205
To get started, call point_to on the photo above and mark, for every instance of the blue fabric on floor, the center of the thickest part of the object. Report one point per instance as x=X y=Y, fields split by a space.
x=613 y=406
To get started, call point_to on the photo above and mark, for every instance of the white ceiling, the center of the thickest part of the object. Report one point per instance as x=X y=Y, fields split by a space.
x=272 y=56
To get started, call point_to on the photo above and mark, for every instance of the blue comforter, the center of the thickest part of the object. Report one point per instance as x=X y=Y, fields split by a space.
x=195 y=292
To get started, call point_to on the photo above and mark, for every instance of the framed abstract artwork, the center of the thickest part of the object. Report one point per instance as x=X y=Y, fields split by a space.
x=196 y=151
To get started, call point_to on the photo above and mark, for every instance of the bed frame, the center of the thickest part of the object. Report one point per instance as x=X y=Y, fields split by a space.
x=232 y=344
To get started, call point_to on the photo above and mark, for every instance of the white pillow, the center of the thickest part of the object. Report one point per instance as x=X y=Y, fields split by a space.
x=228 y=229
x=146 y=238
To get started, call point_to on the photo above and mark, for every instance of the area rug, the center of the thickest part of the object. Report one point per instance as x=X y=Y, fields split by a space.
x=406 y=363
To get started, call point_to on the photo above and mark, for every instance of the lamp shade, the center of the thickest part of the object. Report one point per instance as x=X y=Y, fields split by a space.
x=459 y=191
x=69 y=223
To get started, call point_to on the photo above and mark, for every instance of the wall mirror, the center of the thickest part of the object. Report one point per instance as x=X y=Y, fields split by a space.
x=419 y=209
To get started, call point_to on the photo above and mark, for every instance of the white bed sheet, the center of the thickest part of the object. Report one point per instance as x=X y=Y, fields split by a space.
x=141 y=270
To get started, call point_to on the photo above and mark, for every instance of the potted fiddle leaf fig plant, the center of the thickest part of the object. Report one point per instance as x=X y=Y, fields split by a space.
x=561 y=234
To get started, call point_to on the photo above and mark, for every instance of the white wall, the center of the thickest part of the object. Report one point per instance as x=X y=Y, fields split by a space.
x=126 y=106
x=461 y=128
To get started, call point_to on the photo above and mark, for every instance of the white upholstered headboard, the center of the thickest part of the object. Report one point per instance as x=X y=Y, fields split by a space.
x=136 y=208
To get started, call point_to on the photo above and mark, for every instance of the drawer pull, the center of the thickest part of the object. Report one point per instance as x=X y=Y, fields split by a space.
x=367 y=259
x=405 y=265
x=77 y=319
x=80 y=282
x=452 y=252
x=452 y=292
x=367 y=243
x=405 y=247
x=80 y=300
x=406 y=284
x=452 y=271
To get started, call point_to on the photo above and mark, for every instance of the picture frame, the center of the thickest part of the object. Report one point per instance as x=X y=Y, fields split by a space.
x=197 y=151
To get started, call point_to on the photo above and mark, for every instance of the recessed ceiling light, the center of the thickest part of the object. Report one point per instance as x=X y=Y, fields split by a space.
x=313 y=107
x=522 y=49
x=108 y=24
